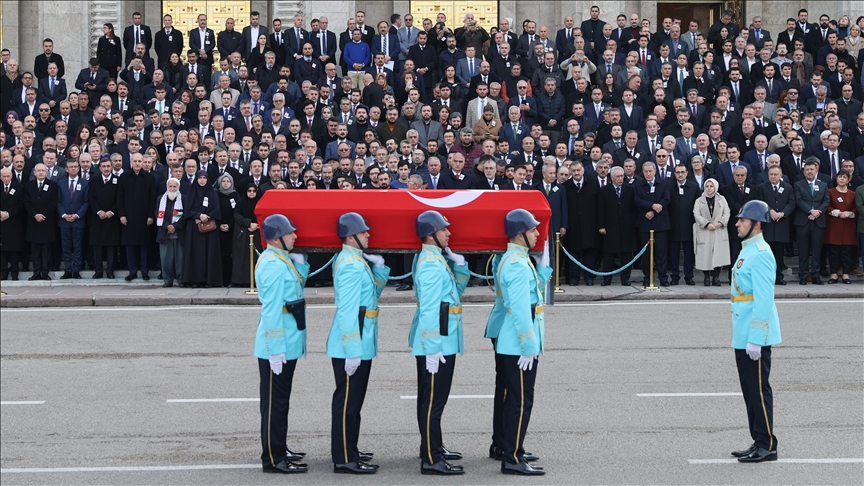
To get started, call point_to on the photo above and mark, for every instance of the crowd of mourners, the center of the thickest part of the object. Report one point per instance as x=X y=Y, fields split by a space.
x=154 y=156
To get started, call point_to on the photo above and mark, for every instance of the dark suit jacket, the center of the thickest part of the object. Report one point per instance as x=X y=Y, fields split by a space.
x=60 y=93
x=426 y=57
x=331 y=45
x=804 y=202
x=101 y=83
x=45 y=203
x=247 y=43
x=782 y=202
x=373 y=95
x=302 y=72
x=228 y=42
x=129 y=40
x=681 y=209
x=290 y=44
x=40 y=65
x=825 y=161
x=76 y=203
x=209 y=44
x=645 y=199
x=449 y=181
x=511 y=186
x=723 y=173
x=557 y=199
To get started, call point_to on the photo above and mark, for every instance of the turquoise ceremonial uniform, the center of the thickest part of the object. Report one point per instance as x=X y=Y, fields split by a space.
x=437 y=280
x=279 y=280
x=356 y=285
x=754 y=315
x=520 y=286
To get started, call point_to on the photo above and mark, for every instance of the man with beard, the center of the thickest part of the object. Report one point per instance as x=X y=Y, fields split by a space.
x=170 y=224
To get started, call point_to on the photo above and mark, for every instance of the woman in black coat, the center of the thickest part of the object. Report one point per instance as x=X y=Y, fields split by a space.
x=255 y=59
x=173 y=72
x=245 y=224
x=109 y=51
x=228 y=199
x=202 y=256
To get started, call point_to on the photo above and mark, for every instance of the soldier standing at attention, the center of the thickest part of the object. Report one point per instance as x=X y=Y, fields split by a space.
x=436 y=335
x=281 y=338
x=755 y=328
x=516 y=329
x=353 y=340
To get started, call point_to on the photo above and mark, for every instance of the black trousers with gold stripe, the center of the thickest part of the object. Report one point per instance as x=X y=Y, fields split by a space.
x=432 y=394
x=347 y=402
x=498 y=405
x=758 y=396
x=275 y=396
x=518 y=402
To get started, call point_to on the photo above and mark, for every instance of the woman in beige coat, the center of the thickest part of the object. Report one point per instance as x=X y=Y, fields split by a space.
x=709 y=233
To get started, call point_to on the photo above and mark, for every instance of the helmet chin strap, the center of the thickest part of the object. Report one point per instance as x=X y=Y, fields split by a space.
x=435 y=237
x=525 y=239
x=750 y=231
x=359 y=245
x=282 y=240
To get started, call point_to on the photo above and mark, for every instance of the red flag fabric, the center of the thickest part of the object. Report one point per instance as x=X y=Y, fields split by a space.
x=476 y=217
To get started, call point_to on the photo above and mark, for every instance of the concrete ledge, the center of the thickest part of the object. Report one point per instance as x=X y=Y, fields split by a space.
x=15 y=301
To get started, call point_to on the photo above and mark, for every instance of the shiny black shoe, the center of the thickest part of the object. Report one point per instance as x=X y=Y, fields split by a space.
x=715 y=282
x=109 y=275
x=373 y=466
x=803 y=281
x=530 y=457
x=745 y=452
x=354 y=468
x=286 y=467
x=589 y=283
x=442 y=468
x=625 y=283
x=404 y=287
x=522 y=468
x=817 y=281
x=450 y=455
x=35 y=277
x=759 y=455
x=689 y=281
x=76 y=275
x=496 y=453
x=605 y=283
x=365 y=456
x=130 y=277
x=66 y=276
x=97 y=275
x=295 y=453
x=780 y=281
x=673 y=282
x=664 y=282
x=707 y=282
x=145 y=277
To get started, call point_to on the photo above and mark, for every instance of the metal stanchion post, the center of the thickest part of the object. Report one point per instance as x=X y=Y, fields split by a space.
x=251 y=290
x=558 y=289
x=651 y=262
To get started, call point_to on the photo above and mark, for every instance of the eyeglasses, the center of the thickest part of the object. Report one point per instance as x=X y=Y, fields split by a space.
x=44 y=109
x=661 y=156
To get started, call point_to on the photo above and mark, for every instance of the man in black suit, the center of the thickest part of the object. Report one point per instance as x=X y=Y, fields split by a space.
x=780 y=198
x=830 y=160
x=652 y=200
x=203 y=40
x=296 y=36
x=249 y=38
x=583 y=242
x=40 y=64
x=616 y=220
x=683 y=193
x=135 y=34
x=229 y=40
x=373 y=95
x=307 y=68
x=518 y=183
x=13 y=221
x=811 y=202
x=456 y=178
x=94 y=80
x=277 y=40
x=424 y=55
x=324 y=42
x=52 y=89
x=40 y=202
x=167 y=41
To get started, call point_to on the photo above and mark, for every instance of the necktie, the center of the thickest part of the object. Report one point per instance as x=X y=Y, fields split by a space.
x=643 y=57
x=602 y=182
x=93 y=78
x=384 y=43
x=248 y=125
x=255 y=105
x=762 y=161
x=434 y=182
x=663 y=173
x=51 y=86
x=769 y=86
x=618 y=191
x=279 y=38
x=297 y=33
x=681 y=78
x=833 y=166
x=518 y=187
x=811 y=189
x=569 y=35
x=775 y=189
x=652 y=146
x=471 y=67
x=122 y=108
x=105 y=181
x=742 y=190
x=221 y=171
x=71 y=187
x=798 y=163
x=323 y=41
x=694 y=37
x=608 y=68
x=578 y=186
x=6 y=189
x=137 y=35
x=547 y=189
x=735 y=87
x=480 y=111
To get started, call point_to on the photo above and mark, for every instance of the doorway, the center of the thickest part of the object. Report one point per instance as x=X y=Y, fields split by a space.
x=705 y=12
x=485 y=12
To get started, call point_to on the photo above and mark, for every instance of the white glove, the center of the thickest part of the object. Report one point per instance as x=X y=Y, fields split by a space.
x=455 y=257
x=351 y=365
x=298 y=258
x=754 y=351
x=526 y=362
x=276 y=362
x=432 y=361
x=376 y=260
x=544 y=258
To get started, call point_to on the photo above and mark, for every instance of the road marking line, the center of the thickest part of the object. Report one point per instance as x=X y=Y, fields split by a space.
x=128 y=468
x=840 y=460
x=735 y=394
x=211 y=400
x=414 y=397
x=23 y=403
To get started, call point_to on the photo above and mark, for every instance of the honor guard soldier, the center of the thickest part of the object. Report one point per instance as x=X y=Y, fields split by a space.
x=755 y=328
x=436 y=335
x=516 y=329
x=353 y=340
x=281 y=338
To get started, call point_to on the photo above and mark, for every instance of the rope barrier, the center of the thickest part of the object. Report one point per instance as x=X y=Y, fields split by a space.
x=316 y=272
x=605 y=274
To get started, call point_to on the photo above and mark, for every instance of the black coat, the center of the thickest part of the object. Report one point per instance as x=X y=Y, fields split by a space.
x=449 y=181
x=645 y=199
x=136 y=200
x=618 y=217
x=12 y=230
x=110 y=55
x=736 y=201
x=681 y=210
x=779 y=231
x=202 y=253
x=42 y=202
x=103 y=197
x=165 y=45
x=583 y=230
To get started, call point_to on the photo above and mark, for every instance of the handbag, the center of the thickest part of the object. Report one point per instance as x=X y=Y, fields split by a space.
x=207 y=226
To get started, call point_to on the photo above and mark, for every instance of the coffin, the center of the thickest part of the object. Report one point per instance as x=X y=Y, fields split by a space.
x=476 y=217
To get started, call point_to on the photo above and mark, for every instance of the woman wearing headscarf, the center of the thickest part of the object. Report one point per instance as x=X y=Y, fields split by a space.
x=228 y=199
x=202 y=257
x=709 y=233
x=245 y=224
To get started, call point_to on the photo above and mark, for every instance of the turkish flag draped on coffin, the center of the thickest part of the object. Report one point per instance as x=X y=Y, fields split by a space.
x=476 y=217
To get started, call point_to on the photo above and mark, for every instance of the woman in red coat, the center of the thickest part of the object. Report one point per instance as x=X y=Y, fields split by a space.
x=840 y=227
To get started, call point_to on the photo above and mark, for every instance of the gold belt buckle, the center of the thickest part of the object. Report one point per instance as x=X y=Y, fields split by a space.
x=372 y=313
x=742 y=298
x=456 y=309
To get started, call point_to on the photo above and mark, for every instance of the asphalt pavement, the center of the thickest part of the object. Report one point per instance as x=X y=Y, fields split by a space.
x=90 y=396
